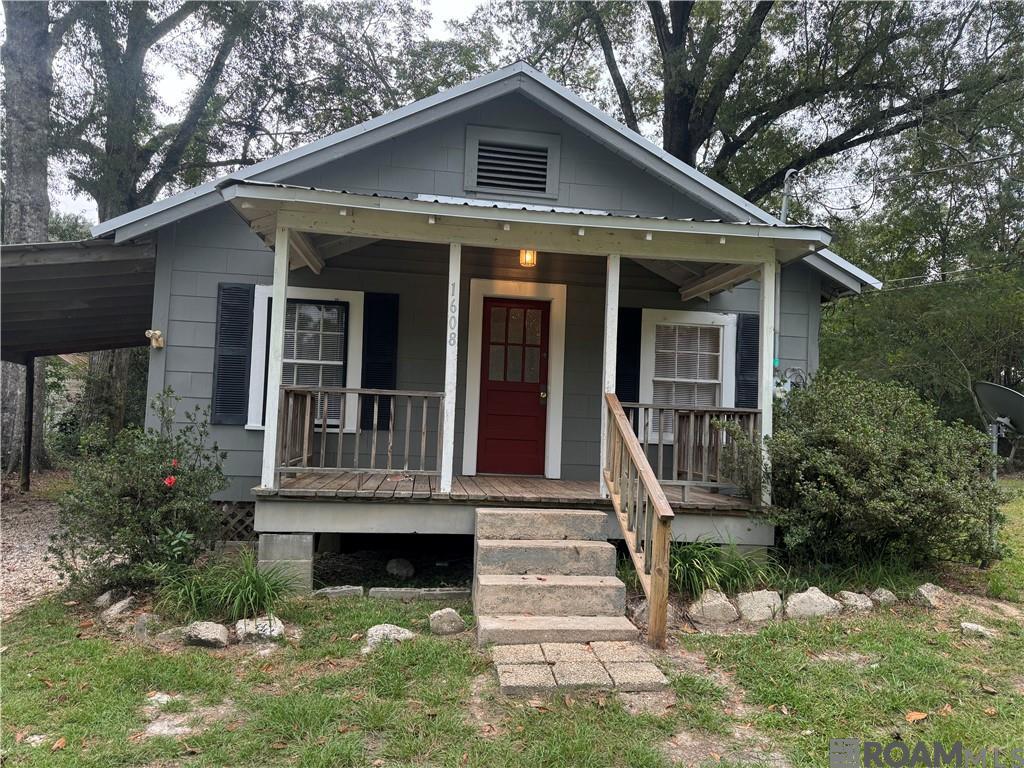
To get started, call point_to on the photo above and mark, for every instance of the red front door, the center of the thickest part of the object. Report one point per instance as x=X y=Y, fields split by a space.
x=513 y=387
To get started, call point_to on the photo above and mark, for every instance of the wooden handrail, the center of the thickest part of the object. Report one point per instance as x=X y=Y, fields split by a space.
x=643 y=512
x=312 y=436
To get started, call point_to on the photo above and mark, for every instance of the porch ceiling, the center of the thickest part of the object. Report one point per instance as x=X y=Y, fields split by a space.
x=354 y=220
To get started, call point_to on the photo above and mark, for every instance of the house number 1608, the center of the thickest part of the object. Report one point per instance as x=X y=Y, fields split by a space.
x=453 y=318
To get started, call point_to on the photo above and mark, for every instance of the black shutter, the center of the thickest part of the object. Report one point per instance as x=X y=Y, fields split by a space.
x=627 y=355
x=380 y=353
x=231 y=353
x=748 y=331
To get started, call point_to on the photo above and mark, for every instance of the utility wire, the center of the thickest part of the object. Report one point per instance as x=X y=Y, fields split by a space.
x=925 y=172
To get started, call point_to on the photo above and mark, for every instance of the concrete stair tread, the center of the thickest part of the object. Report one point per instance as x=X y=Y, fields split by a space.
x=553 y=579
x=546 y=543
x=519 y=629
x=541 y=524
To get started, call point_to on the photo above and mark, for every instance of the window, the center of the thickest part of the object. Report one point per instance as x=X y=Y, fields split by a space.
x=323 y=346
x=687 y=360
x=315 y=336
x=520 y=163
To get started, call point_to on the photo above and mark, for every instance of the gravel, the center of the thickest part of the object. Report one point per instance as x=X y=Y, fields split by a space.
x=25 y=528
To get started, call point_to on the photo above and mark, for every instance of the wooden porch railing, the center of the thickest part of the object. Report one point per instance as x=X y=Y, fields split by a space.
x=644 y=515
x=686 y=449
x=392 y=431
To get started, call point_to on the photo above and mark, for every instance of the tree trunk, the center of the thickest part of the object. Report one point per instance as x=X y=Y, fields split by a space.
x=12 y=392
x=28 y=76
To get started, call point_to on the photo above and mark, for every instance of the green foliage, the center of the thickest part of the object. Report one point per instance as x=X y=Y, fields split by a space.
x=863 y=470
x=227 y=588
x=139 y=502
x=699 y=565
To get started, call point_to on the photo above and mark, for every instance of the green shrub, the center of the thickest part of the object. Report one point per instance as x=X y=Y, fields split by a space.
x=226 y=588
x=698 y=565
x=863 y=470
x=141 y=504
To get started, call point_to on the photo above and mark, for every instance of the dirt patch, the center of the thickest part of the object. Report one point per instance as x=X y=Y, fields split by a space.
x=694 y=663
x=843 y=657
x=691 y=749
x=28 y=522
x=482 y=710
x=165 y=720
x=656 y=703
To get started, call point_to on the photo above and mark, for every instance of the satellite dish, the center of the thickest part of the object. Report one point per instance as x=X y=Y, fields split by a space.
x=1002 y=405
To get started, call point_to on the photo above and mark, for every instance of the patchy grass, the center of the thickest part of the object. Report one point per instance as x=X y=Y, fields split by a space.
x=1006 y=578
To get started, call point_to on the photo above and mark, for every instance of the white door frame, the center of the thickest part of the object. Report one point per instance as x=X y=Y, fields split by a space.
x=555 y=293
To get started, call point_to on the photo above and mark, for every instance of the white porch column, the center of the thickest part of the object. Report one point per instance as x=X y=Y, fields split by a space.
x=451 y=368
x=275 y=343
x=766 y=353
x=611 y=332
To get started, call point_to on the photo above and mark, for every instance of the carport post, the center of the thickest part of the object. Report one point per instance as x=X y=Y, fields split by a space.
x=26 y=431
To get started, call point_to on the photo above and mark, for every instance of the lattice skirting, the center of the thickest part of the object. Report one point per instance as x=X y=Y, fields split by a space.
x=238 y=521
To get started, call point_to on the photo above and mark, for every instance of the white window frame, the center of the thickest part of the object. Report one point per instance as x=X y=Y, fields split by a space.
x=550 y=141
x=652 y=318
x=258 y=353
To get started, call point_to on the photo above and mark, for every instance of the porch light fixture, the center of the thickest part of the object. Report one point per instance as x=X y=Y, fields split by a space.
x=528 y=257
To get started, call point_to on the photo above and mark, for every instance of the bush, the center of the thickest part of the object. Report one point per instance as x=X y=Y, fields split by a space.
x=863 y=470
x=699 y=565
x=225 y=589
x=139 y=503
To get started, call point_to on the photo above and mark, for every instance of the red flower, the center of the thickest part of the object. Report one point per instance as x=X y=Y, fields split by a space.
x=170 y=480
x=174 y=462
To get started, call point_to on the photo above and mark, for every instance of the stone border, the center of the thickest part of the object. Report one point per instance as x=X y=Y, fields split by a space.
x=420 y=593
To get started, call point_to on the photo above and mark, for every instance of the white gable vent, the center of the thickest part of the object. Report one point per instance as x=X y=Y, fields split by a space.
x=514 y=162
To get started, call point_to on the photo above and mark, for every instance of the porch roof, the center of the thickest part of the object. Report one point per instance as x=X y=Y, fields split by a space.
x=429 y=218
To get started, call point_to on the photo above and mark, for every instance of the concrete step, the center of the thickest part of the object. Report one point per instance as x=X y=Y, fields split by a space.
x=568 y=557
x=521 y=630
x=550 y=524
x=549 y=595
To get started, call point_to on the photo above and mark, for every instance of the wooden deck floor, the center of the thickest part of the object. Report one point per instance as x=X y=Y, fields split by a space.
x=498 y=490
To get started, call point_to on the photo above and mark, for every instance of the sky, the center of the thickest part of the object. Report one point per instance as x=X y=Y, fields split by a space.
x=172 y=89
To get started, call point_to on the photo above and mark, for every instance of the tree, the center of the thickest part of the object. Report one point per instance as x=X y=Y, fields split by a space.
x=33 y=38
x=747 y=91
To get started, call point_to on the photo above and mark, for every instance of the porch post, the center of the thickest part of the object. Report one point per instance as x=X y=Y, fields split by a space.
x=451 y=360
x=766 y=350
x=611 y=332
x=275 y=343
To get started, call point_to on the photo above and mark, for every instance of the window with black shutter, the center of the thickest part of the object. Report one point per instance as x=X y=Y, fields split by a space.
x=748 y=331
x=627 y=355
x=231 y=353
x=380 y=353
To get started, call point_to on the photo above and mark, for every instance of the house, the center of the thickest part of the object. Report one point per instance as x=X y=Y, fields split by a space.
x=499 y=298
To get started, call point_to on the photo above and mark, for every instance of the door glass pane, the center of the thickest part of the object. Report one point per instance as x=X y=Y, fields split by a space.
x=496 y=363
x=515 y=326
x=531 y=374
x=515 y=363
x=498 y=324
x=533 y=326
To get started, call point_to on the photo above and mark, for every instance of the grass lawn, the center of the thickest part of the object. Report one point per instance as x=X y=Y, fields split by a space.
x=431 y=702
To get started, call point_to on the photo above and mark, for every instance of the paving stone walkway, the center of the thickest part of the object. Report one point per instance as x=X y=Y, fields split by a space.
x=524 y=670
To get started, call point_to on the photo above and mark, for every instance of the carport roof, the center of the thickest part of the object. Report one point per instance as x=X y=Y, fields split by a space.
x=77 y=296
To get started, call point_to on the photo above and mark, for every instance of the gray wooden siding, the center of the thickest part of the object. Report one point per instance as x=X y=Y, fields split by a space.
x=195 y=255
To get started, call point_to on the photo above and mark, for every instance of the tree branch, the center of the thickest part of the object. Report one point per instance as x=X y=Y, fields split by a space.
x=625 y=99
x=661 y=28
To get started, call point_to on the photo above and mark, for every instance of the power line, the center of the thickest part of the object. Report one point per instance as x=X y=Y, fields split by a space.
x=925 y=172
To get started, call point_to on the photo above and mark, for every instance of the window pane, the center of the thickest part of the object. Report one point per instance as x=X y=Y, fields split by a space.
x=705 y=395
x=332 y=319
x=307 y=375
x=531 y=374
x=533 y=326
x=308 y=317
x=498 y=324
x=665 y=338
x=289 y=344
x=515 y=363
x=710 y=339
x=665 y=365
x=707 y=366
x=289 y=317
x=496 y=363
x=687 y=338
x=333 y=375
x=307 y=346
x=515 y=326
x=686 y=366
x=288 y=373
x=330 y=347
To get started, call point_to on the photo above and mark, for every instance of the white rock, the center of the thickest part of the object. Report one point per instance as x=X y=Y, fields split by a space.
x=332 y=593
x=810 y=603
x=883 y=598
x=446 y=622
x=637 y=612
x=143 y=624
x=400 y=567
x=969 y=629
x=36 y=739
x=854 y=602
x=114 y=612
x=930 y=596
x=208 y=634
x=380 y=634
x=169 y=636
x=105 y=600
x=259 y=629
x=713 y=608
x=763 y=605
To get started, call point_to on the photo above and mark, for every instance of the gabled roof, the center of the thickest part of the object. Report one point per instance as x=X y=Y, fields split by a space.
x=518 y=77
